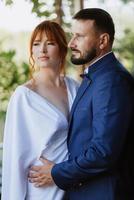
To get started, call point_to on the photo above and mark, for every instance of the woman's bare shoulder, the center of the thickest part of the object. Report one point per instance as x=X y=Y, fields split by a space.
x=29 y=84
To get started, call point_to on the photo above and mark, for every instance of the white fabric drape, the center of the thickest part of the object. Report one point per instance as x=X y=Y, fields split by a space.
x=34 y=127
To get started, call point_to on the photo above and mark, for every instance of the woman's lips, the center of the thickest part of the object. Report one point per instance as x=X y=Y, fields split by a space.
x=43 y=58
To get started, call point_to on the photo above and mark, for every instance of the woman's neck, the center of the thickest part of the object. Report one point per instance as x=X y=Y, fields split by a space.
x=48 y=77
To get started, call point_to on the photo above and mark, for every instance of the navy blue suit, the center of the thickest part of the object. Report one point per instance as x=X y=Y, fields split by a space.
x=99 y=136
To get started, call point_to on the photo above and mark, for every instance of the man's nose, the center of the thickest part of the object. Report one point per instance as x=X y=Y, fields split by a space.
x=72 y=43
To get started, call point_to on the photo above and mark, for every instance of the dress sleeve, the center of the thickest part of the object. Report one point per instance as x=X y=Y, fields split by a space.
x=14 y=173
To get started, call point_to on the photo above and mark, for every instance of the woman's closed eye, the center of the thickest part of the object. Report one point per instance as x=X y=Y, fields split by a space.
x=50 y=43
x=36 y=43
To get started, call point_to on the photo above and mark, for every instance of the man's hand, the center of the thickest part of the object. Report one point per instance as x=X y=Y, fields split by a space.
x=41 y=175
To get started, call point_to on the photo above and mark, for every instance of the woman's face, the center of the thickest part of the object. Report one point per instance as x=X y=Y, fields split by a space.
x=45 y=52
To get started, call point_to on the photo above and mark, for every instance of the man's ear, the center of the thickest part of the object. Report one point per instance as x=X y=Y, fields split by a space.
x=104 y=40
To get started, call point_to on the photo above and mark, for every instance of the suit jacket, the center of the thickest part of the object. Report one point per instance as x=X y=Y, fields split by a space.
x=99 y=136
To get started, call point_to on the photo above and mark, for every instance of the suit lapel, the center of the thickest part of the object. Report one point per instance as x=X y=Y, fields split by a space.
x=84 y=85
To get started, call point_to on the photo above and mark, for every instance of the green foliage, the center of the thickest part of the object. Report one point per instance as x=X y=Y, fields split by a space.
x=40 y=8
x=127 y=1
x=11 y=75
x=8 y=2
x=125 y=48
x=127 y=45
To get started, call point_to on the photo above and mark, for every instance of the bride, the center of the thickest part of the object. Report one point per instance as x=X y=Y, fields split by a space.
x=37 y=116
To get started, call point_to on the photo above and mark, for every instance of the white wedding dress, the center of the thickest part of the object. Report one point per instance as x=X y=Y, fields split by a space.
x=34 y=127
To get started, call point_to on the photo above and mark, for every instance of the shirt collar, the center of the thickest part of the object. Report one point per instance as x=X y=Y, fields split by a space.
x=86 y=70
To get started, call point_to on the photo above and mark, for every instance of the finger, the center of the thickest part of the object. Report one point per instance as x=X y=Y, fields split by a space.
x=42 y=181
x=44 y=160
x=35 y=180
x=41 y=184
x=33 y=175
x=35 y=168
x=37 y=177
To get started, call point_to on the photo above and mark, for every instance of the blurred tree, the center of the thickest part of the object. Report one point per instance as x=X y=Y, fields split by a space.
x=37 y=4
x=125 y=49
x=127 y=1
x=10 y=76
x=54 y=9
x=58 y=9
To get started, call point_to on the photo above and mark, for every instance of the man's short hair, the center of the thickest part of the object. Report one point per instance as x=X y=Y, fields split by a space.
x=102 y=20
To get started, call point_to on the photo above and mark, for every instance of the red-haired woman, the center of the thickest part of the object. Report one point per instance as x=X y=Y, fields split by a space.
x=37 y=116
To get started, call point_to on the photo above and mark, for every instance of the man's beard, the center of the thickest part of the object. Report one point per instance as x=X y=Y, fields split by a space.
x=86 y=58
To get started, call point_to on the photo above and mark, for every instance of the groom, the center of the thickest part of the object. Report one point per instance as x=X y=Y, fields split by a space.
x=100 y=141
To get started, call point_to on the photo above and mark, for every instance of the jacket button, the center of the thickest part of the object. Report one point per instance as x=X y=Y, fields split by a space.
x=80 y=184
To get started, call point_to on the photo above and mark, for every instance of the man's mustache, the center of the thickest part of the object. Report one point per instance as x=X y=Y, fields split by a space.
x=75 y=50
